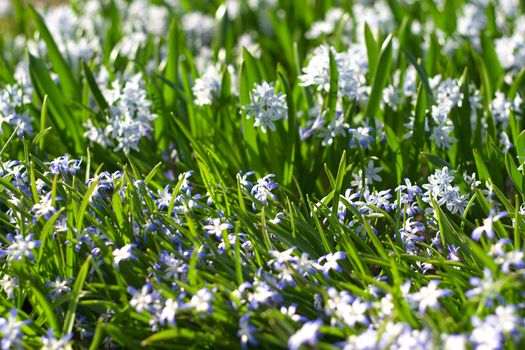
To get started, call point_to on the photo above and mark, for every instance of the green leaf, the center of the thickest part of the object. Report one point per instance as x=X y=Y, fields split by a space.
x=520 y=147
x=438 y=162
x=422 y=75
x=341 y=171
x=70 y=86
x=380 y=78
x=60 y=114
x=490 y=58
x=517 y=83
x=93 y=86
x=483 y=171
x=172 y=63
x=292 y=134
x=75 y=296
x=394 y=145
x=372 y=51
x=83 y=206
x=47 y=309
x=517 y=178
x=333 y=91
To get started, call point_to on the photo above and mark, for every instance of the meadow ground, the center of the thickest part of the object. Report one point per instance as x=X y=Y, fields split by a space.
x=302 y=174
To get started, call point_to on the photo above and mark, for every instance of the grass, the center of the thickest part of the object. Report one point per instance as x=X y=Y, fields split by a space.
x=172 y=243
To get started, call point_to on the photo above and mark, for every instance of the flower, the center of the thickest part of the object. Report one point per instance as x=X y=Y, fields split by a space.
x=144 y=300
x=20 y=247
x=412 y=190
x=355 y=312
x=129 y=118
x=454 y=342
x=169 y=311
x=216 y=227
x=208 y=86
x=486 y=287
x=49 y=342
x=352 y=68
x=164 y=199
x=371 y=175
x=58 y=287
x=266 y=107
x=64 y=165
x=362 y=136
x=9 y=285
x=441 y=189
x=124 y=253
x=343 y=306
x=246 y=331
x=282 y=258
x=427 y=297
x=202 y=301
x=335 y=127
x=262 y=190
x=486 y=334
x=45 y=208
x=330 y=262
x=11 y=330
x=307 y=334
x=487 y=225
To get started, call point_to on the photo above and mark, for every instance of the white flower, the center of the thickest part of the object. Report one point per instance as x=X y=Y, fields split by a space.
x=427 y=297
x=216 y=227
x=371 y=175
x=266 y=107
x=208 y=87
x=342 y=306
x=124 y=253
x=485 y=335
x=9 y=285
x=355 y=313
x=202 y=301
x=486 y=287
x=329 y=262
x=441 y=189
x=12 y=99
x=129 y=118
x=45 y=208
x=282 y=258
x=326 y=26
x=144 y=300
x=335 y=127
x=306 y=335
x=352 y=67
x=198 y=28
x=262 y=294
x=500 y=108
x=506 y=319
x=454 y=342
x=169 y=311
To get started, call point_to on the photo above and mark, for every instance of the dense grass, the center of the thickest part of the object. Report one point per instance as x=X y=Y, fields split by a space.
x=289 y=173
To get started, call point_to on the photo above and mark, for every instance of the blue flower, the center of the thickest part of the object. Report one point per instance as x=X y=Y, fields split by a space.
x=262 y=190
x=64 y=165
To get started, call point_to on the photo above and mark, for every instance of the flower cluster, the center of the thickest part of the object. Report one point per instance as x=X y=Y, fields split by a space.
x=129 y=118
x=266 y=106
